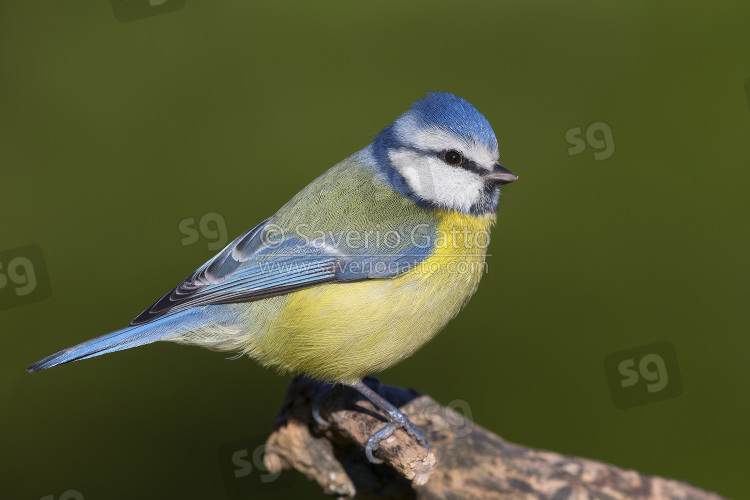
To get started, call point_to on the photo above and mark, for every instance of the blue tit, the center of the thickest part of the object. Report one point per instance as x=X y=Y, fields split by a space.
x=357 y=271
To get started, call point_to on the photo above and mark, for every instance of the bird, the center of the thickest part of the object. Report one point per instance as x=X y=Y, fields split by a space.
x=358 y=271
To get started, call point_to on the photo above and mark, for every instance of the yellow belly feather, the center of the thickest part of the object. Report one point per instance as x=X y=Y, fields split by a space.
x=344 y=331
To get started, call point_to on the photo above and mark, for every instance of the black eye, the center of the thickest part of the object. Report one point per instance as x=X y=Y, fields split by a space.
x=453 y=157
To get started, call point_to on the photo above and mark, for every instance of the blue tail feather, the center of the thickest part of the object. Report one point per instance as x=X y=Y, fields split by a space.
x=126 y=338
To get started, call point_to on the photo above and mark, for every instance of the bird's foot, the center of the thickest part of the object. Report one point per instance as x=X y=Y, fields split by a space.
x=396 y=420
x=399 y=420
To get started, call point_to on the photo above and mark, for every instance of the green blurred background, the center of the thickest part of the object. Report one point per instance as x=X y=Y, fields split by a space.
x=113 y=133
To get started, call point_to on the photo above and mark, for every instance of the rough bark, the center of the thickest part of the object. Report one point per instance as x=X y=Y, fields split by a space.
x=465 y=461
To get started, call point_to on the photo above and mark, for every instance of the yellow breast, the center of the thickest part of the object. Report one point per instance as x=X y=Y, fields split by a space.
x=344 y=331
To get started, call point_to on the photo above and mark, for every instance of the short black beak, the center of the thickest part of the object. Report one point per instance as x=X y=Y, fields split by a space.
x=500 y=175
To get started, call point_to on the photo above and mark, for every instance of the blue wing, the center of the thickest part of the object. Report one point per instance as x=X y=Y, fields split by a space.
x=250 y=268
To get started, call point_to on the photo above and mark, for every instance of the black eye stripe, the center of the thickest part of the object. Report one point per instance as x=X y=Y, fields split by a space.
x=472 y=167
x=466 y=164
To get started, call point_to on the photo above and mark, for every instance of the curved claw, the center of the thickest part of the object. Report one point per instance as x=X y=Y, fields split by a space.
x=316 y=407
x=399 y=421
x=373 y=442
x=396 y=419
x=316 y=415
x=416 y=433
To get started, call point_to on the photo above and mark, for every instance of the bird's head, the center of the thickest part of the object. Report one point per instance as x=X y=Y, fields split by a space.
x=442 y=153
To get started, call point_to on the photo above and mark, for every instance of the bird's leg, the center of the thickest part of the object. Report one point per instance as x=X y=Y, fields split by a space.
x=316 y=405
x=396 y=419
x=324 y=390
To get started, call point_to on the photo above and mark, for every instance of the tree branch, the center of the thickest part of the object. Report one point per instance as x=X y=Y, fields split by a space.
x=465 y=460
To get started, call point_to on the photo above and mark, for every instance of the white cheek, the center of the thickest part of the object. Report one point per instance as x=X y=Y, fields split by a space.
x=433 y=180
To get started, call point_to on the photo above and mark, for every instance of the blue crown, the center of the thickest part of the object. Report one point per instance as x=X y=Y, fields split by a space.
x=452 y=113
